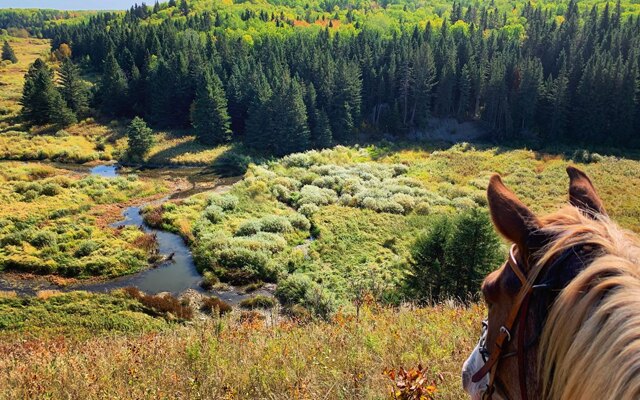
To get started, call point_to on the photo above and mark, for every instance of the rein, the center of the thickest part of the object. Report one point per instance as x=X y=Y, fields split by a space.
x=518 y=313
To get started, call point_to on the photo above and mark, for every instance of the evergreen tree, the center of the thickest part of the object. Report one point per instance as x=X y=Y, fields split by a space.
x=140 y=138
x=41 y=101
x=113 y=87
x=209 y=114
x=73 y=90
x=322 y=136
x=184 y=7
x=8 y=54
x=292 y=130
x=451 y=258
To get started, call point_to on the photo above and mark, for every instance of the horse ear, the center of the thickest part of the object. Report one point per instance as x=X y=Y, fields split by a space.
x=510 y=216
x=582 y=194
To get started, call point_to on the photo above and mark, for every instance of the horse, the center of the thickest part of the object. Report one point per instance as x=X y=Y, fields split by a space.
x=564 y=308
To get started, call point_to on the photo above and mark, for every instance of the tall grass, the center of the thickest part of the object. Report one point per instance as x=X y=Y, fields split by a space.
x=229 y=359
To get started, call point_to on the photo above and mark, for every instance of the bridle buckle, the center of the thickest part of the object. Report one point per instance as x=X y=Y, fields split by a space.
x=504 y=330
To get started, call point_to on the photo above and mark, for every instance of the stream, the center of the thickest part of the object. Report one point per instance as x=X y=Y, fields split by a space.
x=174 y=276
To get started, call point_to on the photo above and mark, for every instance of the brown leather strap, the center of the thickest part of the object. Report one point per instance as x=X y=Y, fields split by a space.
x=504 y=336
x=522 y=367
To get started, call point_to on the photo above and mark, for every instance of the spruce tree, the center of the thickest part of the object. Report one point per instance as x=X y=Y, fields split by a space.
x=113 y=87
x=184 y=7
x=73 y=90
x=140 y=138
x=8 y=54
x=209 y=113
x=41 y=101
x=322 y=136
x=291 y=119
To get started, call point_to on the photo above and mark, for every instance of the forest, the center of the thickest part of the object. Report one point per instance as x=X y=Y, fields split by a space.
x=286 y=82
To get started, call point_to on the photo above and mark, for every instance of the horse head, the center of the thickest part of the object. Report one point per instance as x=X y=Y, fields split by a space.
x=531 y=335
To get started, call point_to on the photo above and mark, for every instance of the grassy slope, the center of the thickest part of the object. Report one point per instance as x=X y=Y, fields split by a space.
x=230 y=359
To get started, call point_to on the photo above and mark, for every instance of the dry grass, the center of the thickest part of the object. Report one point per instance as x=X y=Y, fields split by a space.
x=47 y=294
x=229 y=359
x=11 y=75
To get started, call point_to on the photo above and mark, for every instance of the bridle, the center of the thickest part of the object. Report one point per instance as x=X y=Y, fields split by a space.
x=518 y=313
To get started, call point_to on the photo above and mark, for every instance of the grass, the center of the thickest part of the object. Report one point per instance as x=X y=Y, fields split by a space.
x=12 y=77
x=226 y=358
x=50 y=222
x=77 y=314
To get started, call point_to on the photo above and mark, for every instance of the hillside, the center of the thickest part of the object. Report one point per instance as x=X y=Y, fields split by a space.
x=276 y=199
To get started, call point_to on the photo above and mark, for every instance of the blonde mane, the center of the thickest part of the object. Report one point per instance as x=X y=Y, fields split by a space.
x=590 y=345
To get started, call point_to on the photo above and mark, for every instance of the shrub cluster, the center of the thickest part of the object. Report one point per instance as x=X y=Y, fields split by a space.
x=166 y=305
x=300 y=291
x=273 y=224
x=258 y=301
x=311 y=181
x=214 y=305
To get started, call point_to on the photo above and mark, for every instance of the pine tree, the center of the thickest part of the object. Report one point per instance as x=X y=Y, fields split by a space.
x=41 y=102
x=8 y=54
x=425 y=81
x=184 y=7
x=140 y=138
x=73 y=90
x=113 y=87
x=291 y=118
x=209 y=113
x=322 y=136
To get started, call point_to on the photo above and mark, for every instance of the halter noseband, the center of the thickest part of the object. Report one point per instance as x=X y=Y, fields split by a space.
x=520 y=309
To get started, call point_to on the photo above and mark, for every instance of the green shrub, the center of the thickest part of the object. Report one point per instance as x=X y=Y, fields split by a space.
x=226 y=202
x=310 y=194
x=214 y=214
x=300 y=222
x=293 y=289
x=300 y=290
x=249 y=228
x=44 y=239
x=258 y=301
x=275 y=224
x=239 y=257
x=209 y=280
x=51 y=189
x=441 y=265
x=85 y=248
x=308 y=209
x=281 y=193
x=30 y=195
x=423 y=208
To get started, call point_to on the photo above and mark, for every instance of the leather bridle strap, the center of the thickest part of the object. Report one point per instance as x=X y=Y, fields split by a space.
x=504 y=335
x=522 y=367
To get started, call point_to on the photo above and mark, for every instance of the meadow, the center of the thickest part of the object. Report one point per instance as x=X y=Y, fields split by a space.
x=54 y=221
x=345 y=218
x=234 y=357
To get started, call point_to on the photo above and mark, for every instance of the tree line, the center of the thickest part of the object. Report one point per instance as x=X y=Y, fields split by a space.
x=571 y=79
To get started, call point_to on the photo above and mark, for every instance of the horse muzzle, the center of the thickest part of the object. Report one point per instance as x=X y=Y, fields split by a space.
x=475 y=361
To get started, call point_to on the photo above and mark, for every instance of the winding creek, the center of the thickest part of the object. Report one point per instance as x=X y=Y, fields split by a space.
x=175 y=276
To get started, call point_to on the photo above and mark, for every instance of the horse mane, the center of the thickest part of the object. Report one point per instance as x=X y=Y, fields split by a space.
x=590 y=344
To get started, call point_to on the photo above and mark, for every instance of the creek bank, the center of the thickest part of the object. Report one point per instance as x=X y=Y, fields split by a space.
x=176 y=274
